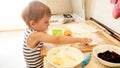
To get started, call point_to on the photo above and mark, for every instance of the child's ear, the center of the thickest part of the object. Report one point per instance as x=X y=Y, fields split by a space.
x=32 y=23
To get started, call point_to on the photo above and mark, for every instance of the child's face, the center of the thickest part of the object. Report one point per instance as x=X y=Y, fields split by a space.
x=42 y=24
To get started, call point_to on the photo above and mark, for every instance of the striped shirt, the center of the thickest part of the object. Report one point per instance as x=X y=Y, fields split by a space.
x=32 y=56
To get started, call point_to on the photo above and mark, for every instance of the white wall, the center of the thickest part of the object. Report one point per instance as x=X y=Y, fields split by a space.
x=89 y=7
x=66 y=6
x=59 y=6
x=101 y=10
x=78 y=8
x=10 y=14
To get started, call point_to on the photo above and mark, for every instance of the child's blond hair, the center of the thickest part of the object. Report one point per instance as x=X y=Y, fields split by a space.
x=35 y=11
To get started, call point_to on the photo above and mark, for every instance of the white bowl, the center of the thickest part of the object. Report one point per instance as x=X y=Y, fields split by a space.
x=64 y=57
x=103 y=48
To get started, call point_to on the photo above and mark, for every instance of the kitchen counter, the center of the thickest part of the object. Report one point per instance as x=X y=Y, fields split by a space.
x=85 y=27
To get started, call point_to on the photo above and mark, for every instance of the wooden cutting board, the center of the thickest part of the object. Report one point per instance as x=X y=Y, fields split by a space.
x=84 y=48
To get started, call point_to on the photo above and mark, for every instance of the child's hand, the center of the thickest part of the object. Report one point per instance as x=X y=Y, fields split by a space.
x=86 y=41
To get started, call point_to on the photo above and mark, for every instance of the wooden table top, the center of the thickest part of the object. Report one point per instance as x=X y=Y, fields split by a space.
x=93 y=63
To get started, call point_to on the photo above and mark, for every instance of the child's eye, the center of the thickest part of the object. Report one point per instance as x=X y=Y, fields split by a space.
x=46 y=22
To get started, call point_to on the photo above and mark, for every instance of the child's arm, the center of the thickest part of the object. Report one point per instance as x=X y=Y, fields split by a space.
x=40 y=36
